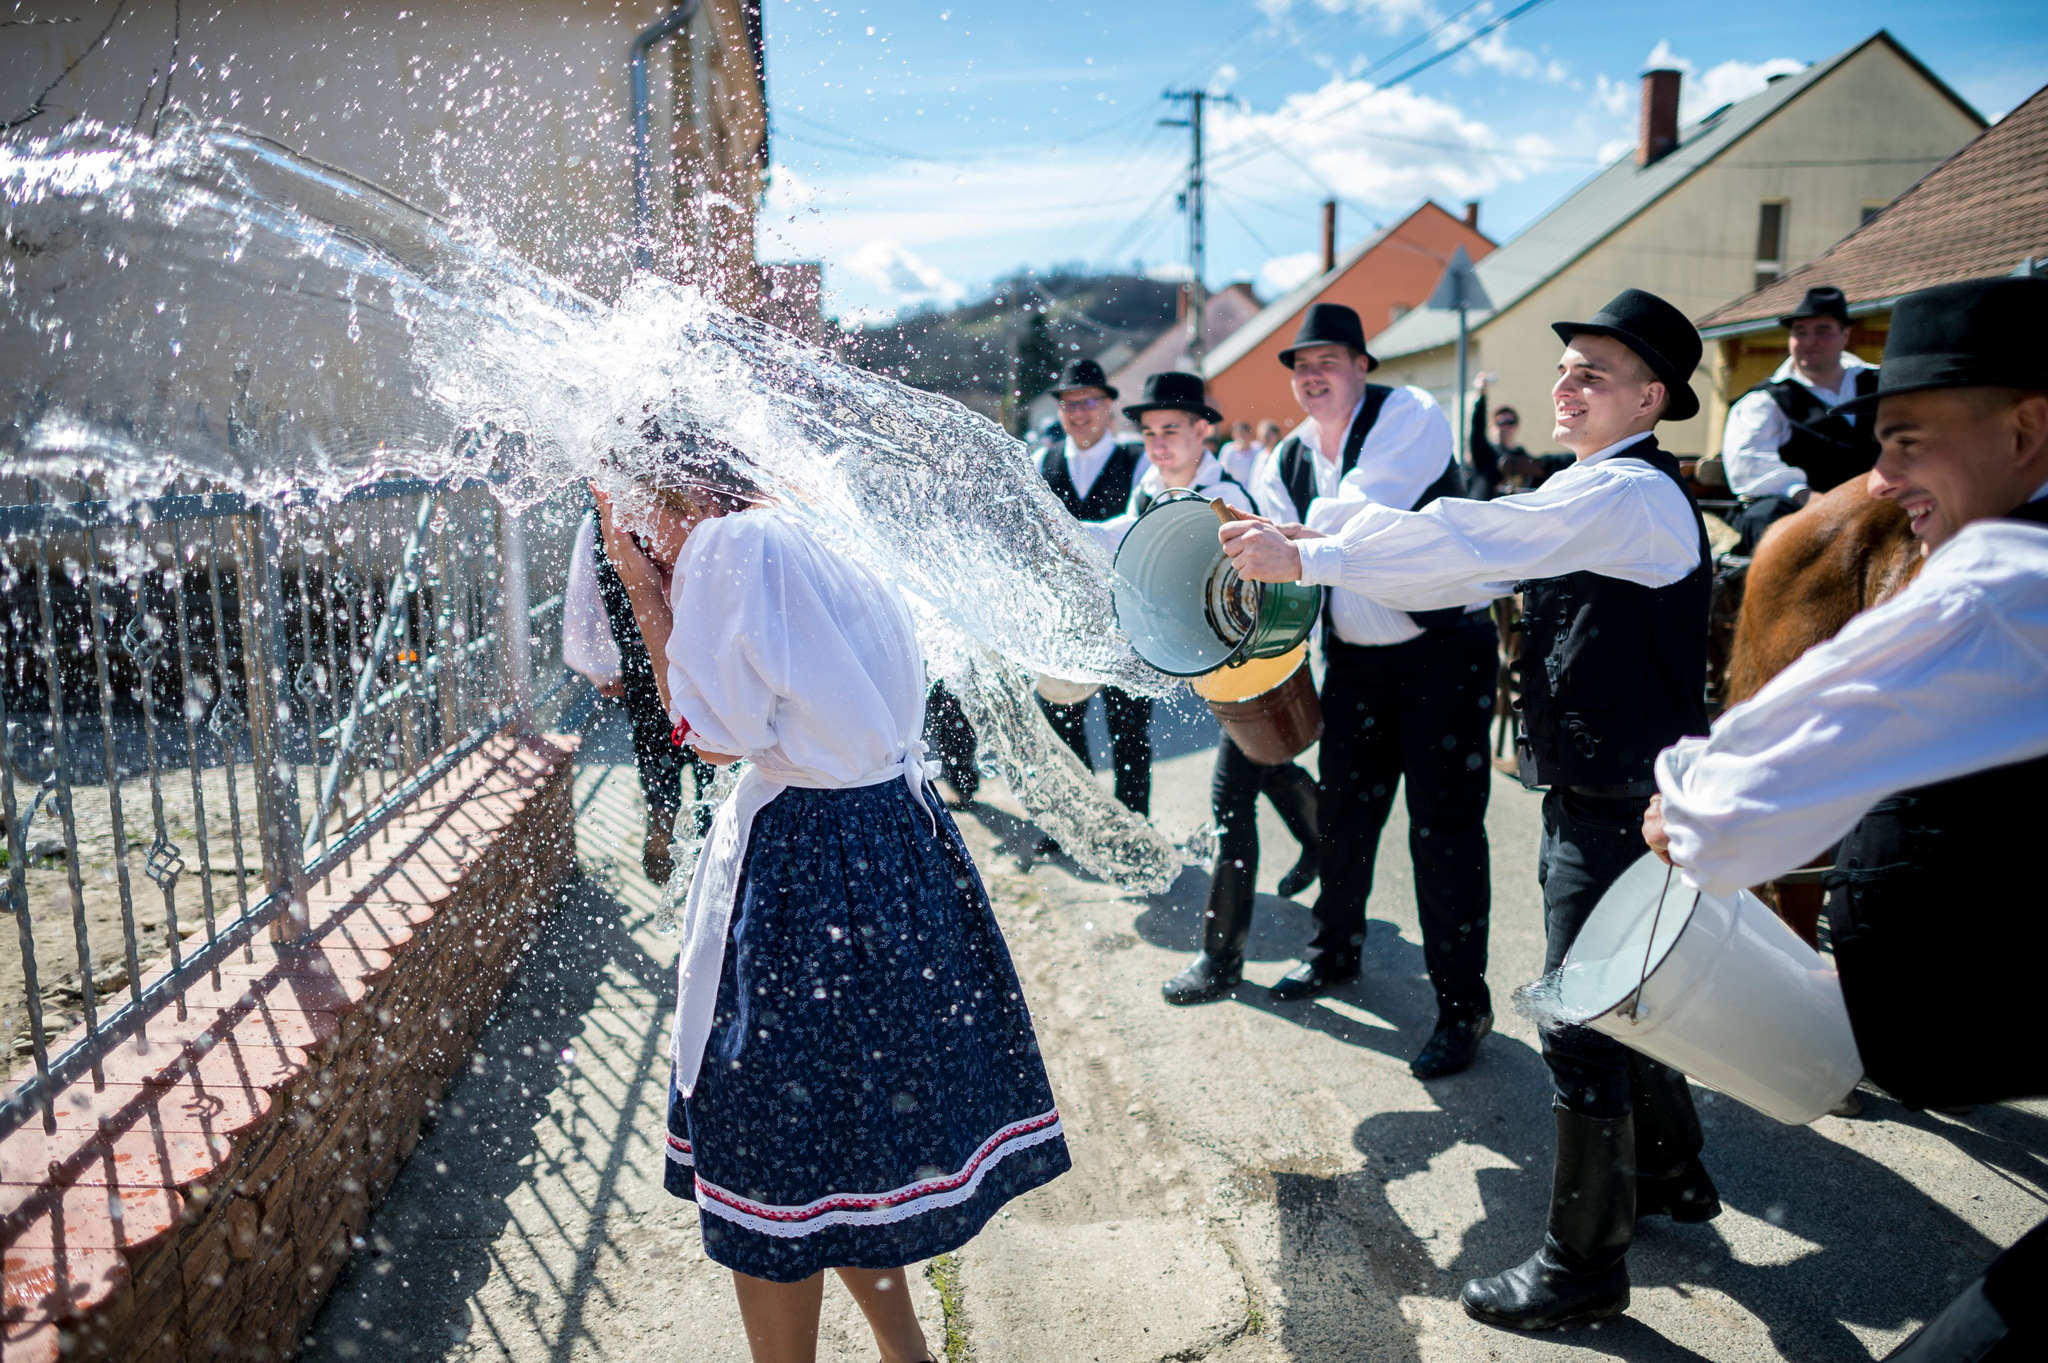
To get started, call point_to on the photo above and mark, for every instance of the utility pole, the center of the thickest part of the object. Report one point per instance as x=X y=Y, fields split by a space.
x=1191 y=202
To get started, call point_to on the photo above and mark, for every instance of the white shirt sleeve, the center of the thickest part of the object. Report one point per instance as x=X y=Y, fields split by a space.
x=1619 y=517
x=588 y=645
x=1944 y=679
x=1756 y=431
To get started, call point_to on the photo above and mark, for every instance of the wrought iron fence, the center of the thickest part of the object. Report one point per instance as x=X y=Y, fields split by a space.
x=209 y=704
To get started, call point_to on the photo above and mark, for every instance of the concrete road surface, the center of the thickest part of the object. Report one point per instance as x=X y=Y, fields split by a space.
x=1251 y=1182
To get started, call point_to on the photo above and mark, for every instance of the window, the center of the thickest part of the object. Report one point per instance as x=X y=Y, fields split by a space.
x=1770 y=240
x=1869 y=211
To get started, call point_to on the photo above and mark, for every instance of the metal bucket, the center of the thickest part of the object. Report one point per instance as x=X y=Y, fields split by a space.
x=1185 y=608
x=1717 y=988
x=1278 y=725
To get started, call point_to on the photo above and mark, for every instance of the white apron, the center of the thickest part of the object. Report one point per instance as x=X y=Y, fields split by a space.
x=714 y=888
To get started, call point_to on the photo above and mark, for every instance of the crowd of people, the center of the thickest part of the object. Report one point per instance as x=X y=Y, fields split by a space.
x=857 y=1085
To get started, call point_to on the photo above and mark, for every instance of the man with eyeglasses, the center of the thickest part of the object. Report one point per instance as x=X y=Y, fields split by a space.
x=1092 y=475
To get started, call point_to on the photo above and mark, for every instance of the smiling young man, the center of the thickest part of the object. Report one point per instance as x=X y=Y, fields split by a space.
x=1791 y=436
x=1406 y=697
x=1918 y=738
x=1092 y=474
x=1176 y=420
x=1610 y=556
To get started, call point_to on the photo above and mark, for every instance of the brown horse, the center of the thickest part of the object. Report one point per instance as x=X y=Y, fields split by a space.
x=1844 y=552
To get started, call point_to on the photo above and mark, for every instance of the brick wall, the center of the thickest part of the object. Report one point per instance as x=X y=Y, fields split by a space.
x=201 y=1202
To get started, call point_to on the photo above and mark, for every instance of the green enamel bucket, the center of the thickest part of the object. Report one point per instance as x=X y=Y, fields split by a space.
x=1186 y=610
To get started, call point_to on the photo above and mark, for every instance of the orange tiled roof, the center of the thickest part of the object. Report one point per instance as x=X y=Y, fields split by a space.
x=1981 y=212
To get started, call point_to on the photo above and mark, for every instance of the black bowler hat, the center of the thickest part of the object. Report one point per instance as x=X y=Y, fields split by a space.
x=1656 y=331
x=1981 y=333
x=1329 y=324
x=1173 y=391
x=1083 y=374
x=1825 y=301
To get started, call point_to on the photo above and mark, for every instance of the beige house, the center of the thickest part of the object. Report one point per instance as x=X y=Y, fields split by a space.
x=521 y=114
x=1699 y=215
x=1984 y=212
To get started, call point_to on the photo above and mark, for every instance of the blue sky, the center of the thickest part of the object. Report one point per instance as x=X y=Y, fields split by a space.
x=925 y=149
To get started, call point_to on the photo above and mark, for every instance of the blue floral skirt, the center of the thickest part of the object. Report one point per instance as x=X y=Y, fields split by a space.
x=871 y=1092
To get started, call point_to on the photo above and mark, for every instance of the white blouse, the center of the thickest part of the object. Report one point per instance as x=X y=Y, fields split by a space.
x=806 y=664
x=792 y=656
x=1947 y=678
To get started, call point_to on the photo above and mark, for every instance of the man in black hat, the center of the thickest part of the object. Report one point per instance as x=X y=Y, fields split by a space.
x=1784 y=440
x=1917 y=737
x=1611 y=558
x=1176 y=419
x=1092 y=475
x=1406 y=697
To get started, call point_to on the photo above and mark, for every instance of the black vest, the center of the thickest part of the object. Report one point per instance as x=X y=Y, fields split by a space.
x=1112 y=490
x=1613 y=672
x=1939 y=934
x=1298 y=475
x=1823 y=445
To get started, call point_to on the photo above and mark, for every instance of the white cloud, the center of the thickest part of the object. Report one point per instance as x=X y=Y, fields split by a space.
x=1611 y=96
x=1169 y=272
x=1387 y=148
x=891 y=267
x=1282 y=273
x=1725 y=83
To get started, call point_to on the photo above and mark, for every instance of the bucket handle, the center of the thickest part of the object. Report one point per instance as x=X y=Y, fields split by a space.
x=1635 y=997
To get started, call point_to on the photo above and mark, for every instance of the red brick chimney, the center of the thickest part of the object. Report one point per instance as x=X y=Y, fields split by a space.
x=1329 y=235
x=1472 y=214
x=1660 y=116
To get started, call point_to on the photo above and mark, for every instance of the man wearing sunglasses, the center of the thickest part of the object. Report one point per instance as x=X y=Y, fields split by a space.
x=1092 y=474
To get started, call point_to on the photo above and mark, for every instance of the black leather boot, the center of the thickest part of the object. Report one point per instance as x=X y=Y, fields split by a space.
x=1296 y=804
x=656 y=863
x=1581 y=1273
x=1226 y=924
x=1670 y=1180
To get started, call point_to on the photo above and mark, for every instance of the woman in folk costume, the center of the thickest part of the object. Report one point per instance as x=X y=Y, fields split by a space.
x=857 y=1086
x=1176 y=419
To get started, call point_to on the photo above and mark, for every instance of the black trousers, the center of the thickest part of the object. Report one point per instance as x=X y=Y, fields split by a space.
x=659 y=760
x=1130 y=742
x=1758 y=515
x=952 y=738
x=1416 y=713
x=1588 y=841
x=1234 y=801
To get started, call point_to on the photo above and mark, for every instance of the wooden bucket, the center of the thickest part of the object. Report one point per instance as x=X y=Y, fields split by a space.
x=1277 y=725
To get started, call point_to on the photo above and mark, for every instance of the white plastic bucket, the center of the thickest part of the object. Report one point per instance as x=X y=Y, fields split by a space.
x=1732 y=997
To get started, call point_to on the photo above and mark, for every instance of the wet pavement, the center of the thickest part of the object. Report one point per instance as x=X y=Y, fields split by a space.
x=1252 y=1181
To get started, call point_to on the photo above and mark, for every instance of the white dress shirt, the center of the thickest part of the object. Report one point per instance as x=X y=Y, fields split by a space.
x=1757 y=430
x=1084 y=466
x=1947 y=678
x=1407 y=449
x=806 y=664
x=1618 y=517
x=1239 y=458
x=1209 y=481
x=588 y=645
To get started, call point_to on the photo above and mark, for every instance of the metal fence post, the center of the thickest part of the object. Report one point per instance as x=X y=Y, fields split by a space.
x=272 y=714
x=514 y=618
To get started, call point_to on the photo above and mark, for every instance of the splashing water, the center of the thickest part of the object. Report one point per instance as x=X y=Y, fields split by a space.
x=1545 y=1002
x=209 y=305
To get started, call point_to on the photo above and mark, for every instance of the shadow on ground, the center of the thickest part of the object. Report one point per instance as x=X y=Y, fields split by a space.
x=409 y=1292
x=1817 y=1236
